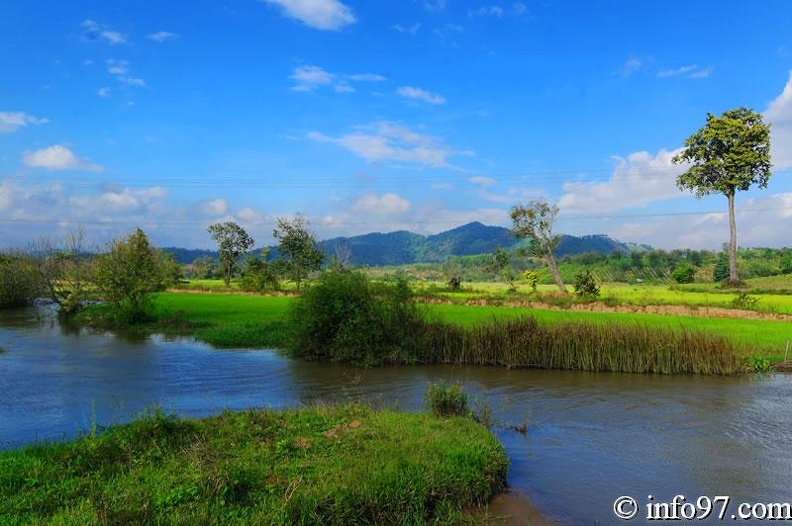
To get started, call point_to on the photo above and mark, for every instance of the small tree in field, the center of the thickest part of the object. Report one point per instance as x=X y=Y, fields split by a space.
x=729 y=153
x=298 y=254
x=534 y=221
x=233 y=241
x=128 y=274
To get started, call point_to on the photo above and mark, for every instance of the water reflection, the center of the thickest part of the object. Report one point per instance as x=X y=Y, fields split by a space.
x=589 y=437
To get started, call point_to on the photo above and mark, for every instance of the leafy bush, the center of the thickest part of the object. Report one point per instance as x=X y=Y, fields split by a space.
x=20 y=281
x=444 y=399
x=684 y=274
x=586 y=286
x=346 y=317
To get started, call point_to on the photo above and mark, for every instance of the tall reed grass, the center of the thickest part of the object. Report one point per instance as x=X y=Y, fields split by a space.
x=581 y=346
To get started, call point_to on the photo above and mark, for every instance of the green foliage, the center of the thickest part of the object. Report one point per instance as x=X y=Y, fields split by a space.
x=729 y=153
x=346 y=317
x=758 y=364
x=499 y=266
x=586 y=286
x=684 y=274
x=233 y=241
x=204 y=267
x=445 y=400
x=743 y=300
x=259 y=275
x=720 y=271
x=20 y=281
x=531 y=278
x=127 y=275
x=534 y=221
x=312 y=466
x=298 y=253
x=454 y=283
x=785 y=265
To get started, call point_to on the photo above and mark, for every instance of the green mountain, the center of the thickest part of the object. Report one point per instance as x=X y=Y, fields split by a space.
x=401 y=248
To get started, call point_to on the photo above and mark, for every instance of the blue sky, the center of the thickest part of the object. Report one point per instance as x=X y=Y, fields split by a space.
x=378 y=116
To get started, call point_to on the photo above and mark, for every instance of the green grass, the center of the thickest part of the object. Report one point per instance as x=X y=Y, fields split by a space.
x=322 y=465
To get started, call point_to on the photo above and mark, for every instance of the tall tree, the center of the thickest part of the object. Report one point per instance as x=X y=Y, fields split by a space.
x=534 y=221
x=729 y=153
x=233 y=241
x=128 y=274
x=298 y=254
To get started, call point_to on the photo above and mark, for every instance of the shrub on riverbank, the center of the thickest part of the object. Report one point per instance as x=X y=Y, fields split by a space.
x=341 y=465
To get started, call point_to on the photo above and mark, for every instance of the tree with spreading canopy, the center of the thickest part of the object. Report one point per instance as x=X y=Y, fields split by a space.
x=233 y=241
x=729 y=153
x=534 y=221
x=298 y=253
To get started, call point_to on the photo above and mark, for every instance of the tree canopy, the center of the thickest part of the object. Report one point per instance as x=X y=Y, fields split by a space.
x=534 y=221
x=729 y=153
x=298 y=254
x=232 y=241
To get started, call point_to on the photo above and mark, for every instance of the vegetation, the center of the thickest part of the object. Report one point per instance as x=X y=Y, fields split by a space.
x=729 y=153
x=308 y=466
x=298 y=254
x=445 y=400
x=20 y=281
x=127 y=275
x=346 y=317
x=233 y=241
x=534 y=221
x=586 y=286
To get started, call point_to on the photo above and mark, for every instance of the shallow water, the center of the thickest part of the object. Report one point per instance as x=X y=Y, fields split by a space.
x=589 y=438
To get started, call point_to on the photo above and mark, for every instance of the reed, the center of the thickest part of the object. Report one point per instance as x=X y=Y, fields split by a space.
x=581 y=346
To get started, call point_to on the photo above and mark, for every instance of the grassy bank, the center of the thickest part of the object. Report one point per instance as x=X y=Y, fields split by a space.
x=229 y=320
x=341 y=465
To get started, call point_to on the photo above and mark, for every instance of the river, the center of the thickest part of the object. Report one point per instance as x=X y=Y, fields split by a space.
x=589 y=438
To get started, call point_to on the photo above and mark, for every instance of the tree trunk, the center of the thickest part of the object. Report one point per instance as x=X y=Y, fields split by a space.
x=553 y=266
x=734 y=278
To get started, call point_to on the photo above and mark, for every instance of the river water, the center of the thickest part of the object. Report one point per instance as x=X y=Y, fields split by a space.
x=589 y=438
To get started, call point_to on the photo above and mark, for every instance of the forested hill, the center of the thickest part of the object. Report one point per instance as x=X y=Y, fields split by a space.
x=402 y=248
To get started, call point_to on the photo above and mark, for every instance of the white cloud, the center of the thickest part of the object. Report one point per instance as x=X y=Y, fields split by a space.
x=383 y=205
x=434 y=5
x=692 y=71
x=309 y=78
x=119 y=69
x=637 y=180
x=132 y=81
x=492 y=10
x=58 y=157
x=250 y=216
x=12 y=121
x=410 y=92
x=96 y=31
x=483 y=180
x=411 y=30
x=632 y=65
x=120 y=201
x=161 y=36
x=519 y=8
x=447 y=34
x=103 y=92
x=367 y=77
x=779 y=115
x=215 y=207
x=319 y=14
x=390 y=141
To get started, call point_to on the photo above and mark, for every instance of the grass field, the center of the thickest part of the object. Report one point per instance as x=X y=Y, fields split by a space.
x=307 y=466
x=229 y=320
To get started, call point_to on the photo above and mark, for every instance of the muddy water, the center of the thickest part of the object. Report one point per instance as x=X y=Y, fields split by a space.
x=589 y=438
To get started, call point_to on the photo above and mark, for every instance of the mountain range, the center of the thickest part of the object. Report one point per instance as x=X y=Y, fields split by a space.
x=402 y=247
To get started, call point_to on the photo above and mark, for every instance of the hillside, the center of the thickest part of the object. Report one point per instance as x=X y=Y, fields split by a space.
x=403 y=248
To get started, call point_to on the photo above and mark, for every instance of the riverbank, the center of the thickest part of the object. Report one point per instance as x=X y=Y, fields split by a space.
x=329 y=465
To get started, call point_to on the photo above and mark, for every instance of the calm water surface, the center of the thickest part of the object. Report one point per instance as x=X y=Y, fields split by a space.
x=590 y=437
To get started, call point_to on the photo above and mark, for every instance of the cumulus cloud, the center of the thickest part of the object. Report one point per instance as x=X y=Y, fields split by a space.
x=103 y=92
x=367 y=77
x=410 y=30
x=409 y=92
x=120 y=70
x=95 y=31
x=390 y=141
x=161 y=36
x=632 y=65
x=637 y=180
x=12 y=121
x=215 y=207
x=319 y=14
x=779 y=115
x=382 y=205
x=58 y=157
